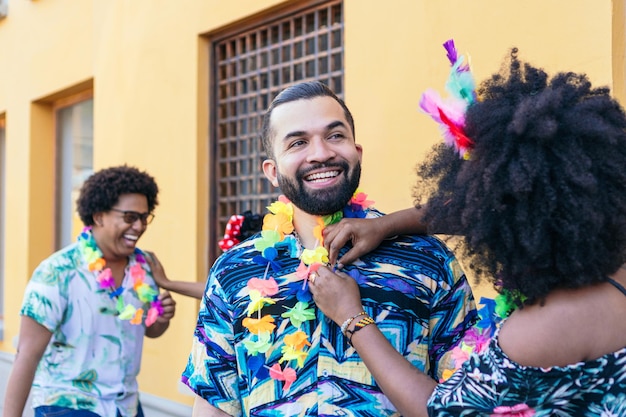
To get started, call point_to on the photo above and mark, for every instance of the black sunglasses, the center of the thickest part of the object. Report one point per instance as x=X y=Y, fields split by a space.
x=131 y=217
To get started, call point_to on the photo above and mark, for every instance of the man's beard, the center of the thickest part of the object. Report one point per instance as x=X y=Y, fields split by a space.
x=321 y=202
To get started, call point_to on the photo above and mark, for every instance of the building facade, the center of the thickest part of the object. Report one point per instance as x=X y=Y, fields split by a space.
x=177 y=88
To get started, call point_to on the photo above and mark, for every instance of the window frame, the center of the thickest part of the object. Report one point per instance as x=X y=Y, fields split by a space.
x=63 y=237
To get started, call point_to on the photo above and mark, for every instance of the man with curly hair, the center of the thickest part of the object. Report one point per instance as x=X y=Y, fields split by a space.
x=88 y=306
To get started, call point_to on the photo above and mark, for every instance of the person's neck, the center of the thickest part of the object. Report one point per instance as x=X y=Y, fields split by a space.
x=304 y=225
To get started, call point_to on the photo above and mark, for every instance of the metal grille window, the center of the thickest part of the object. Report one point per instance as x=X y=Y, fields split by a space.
x=250 y=67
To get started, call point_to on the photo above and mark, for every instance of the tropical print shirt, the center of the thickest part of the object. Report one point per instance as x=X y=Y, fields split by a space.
x=491 y=384
x=412 y=286
x=93 y=357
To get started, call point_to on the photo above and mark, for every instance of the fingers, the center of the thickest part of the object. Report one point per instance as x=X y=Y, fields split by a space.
x=348 y=257
x=149 y=257
x=335 y=293
x=166 y=298
x=152 y=260
x=324 y=276
x=158 y=272
x=335 y=237
x=168 y=304
x=326 y=272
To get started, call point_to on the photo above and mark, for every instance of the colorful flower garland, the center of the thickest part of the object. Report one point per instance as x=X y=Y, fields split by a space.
x=491 y=315
x=277 y=234
x=144 y=292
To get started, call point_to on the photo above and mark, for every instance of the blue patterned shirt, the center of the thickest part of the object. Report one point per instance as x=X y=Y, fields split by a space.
x=412 y=286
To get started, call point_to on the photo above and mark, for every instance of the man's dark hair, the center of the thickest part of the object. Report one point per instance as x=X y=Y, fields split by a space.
x=301 y=91
x=102 y=190
x=542 y=201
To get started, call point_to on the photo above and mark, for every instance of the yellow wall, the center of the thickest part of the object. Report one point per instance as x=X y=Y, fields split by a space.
x=147 y=62
x=393 y=53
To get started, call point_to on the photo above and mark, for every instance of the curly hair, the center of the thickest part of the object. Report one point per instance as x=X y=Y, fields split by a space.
x=541 y=204
x=102 y=190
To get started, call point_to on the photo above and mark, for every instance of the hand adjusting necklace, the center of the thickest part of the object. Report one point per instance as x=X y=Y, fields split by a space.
x=277 y=235
x=143 y=292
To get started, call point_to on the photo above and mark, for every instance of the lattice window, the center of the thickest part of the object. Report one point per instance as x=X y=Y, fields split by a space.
x=250 y=68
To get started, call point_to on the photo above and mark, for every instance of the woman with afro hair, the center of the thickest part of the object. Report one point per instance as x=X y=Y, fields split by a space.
x=540 y=206
x=88 y=307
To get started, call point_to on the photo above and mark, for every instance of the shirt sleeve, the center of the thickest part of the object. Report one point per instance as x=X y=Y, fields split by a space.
x=211 y=370
x=43 y=299
x=453 y=313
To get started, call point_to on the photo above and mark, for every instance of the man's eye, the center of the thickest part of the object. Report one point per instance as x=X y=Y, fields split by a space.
x=297 y=143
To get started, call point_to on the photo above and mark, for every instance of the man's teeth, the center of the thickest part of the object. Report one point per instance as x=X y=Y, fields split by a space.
x=131 y=237
x=322 y=175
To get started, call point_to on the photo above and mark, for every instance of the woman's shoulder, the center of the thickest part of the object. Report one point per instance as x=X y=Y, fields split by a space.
x=568 y=327
x=490 y=379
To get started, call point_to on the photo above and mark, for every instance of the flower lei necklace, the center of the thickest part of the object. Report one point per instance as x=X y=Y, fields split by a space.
x=277 y=234
x=145 y=293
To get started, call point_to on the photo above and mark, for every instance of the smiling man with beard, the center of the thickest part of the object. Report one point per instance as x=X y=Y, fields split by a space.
x=261 y=347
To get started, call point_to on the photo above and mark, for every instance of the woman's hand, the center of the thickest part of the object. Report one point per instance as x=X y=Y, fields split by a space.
x=188 y=288
x=158 y=272
x=365 y=235
x=336 y=294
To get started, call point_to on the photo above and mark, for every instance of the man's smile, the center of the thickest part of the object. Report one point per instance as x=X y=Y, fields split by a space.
x=322 y=176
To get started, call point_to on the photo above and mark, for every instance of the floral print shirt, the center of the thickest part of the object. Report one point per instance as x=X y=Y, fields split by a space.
x=491 y=384
x=93 y=357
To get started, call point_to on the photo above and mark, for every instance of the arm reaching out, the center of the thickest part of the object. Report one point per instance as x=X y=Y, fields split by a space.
x=190 y=289
x=366 y=234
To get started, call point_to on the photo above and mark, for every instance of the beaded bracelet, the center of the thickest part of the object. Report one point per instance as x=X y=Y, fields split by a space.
x=367 y=320
x=346 y=323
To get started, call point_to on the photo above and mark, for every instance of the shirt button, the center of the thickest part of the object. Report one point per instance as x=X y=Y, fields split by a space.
x=325 y=373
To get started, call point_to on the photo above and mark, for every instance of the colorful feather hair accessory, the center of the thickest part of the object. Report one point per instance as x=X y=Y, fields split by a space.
x=450 y=112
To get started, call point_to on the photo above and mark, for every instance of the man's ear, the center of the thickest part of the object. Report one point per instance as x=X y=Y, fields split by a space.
x=359 y=149
x=269 y=169
x=97 y=218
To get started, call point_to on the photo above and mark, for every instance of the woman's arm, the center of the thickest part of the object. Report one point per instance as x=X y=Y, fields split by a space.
x=366 y=234
x=337 y=295
x=190 y=289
